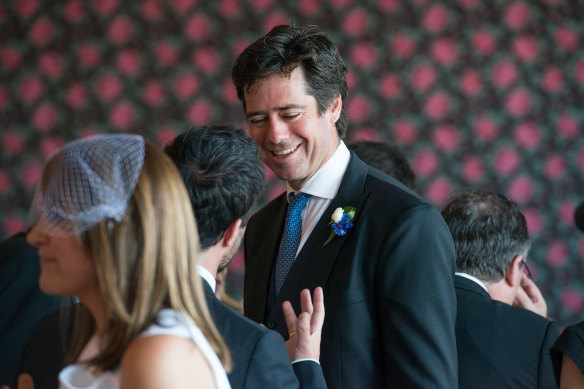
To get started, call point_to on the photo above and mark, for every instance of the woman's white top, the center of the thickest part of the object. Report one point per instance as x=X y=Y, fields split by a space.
x=169 y=322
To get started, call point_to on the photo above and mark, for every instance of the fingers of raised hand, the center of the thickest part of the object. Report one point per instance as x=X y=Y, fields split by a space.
x=289 y=316
x=306 y=301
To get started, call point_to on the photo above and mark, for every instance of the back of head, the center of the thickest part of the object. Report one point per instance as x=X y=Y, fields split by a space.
x=488 y=232
x=285 y=48
x=224 y=177
x=386 y=157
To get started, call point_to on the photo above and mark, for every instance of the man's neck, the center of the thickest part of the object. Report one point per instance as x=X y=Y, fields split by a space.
x=329 y=176
x=297 y=185
x=500 y=291
x=209 y=259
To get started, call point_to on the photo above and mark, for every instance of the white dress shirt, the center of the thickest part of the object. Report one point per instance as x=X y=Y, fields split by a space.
x=472 y=278
x=323 y=186
x=207 y=276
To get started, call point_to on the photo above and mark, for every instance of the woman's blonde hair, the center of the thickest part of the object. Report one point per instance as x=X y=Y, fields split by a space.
x=144 y=263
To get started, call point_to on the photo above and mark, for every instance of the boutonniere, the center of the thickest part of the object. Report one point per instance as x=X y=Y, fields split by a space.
x=341 y=222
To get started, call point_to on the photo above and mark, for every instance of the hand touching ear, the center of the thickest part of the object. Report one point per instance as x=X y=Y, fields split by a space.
x=529 y=297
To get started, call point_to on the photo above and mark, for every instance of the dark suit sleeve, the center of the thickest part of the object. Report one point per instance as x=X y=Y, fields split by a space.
x=417 y=302
x=271 y=368
x=309 y=374
x=548 y=363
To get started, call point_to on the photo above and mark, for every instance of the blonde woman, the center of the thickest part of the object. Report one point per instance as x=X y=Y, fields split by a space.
x=114 y=227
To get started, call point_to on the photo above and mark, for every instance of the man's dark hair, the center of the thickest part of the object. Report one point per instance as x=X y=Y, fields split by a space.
x=488 y=232
x=388 y=158
x=286 y=48
x=223 y=174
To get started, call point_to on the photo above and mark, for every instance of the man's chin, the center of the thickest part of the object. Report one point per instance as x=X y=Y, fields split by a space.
x=284 y=172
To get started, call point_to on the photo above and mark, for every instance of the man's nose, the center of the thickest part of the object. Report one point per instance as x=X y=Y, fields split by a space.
x=278 y=130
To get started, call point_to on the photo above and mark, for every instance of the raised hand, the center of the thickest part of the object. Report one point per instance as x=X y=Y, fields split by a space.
x=305 y=329
x=529 y=297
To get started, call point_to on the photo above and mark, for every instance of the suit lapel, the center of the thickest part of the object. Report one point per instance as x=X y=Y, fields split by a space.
x=260 y=266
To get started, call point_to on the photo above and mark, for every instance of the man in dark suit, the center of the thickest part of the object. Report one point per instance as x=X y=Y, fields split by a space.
x=22 y=303
x=224 y=177
x=499 y=345
x=388 y=267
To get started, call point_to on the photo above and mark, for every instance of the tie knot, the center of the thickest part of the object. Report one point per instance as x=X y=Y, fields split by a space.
x=298 y=201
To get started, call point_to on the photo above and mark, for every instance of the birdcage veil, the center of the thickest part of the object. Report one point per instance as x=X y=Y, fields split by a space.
x=88 y=180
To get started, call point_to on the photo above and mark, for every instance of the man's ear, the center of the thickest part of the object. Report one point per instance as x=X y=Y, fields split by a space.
x=513 y=273
x=335 y=109
x=231 y=234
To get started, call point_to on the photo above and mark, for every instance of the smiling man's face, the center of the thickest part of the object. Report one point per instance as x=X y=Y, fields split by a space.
x=294 y=140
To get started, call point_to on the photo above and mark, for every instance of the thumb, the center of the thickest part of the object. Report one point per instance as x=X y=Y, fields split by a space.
x=25 y=381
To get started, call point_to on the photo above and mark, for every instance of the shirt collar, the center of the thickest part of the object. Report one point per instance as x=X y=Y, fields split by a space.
x=207 y=276
x=326 y=181
x=472 y=278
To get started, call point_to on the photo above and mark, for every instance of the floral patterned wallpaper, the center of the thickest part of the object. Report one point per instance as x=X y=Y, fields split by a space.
x=479 y=94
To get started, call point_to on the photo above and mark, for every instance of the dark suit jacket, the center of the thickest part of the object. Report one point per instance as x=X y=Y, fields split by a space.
x=22 y=303
x=388 y=284
x=260 y=359
x=46 y=346
x=500 y=346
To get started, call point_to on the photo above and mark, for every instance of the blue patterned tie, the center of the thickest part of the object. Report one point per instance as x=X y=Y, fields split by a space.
x=290 y=239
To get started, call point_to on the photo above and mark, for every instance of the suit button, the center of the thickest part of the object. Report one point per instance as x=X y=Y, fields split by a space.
x=271 y=325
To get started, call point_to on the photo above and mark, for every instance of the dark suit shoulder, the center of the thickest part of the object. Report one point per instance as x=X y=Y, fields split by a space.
x=500 y=345
x=229 y=322
x=392 y=207
x=22 y=303
x=268 y=209
x=485 y=306
x=384 y=188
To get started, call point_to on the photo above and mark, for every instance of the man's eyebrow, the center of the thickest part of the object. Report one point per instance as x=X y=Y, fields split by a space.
x=277 y=109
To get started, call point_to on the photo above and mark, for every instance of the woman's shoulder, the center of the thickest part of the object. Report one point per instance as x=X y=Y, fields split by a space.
x=163 y=361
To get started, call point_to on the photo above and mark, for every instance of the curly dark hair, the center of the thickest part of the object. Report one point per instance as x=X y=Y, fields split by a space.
x=223 y=174
x=286 y=48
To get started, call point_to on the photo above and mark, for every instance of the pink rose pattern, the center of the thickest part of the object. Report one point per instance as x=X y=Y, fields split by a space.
x=481 y=95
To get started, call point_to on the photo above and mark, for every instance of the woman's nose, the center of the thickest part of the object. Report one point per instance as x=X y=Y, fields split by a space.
x=35 y=236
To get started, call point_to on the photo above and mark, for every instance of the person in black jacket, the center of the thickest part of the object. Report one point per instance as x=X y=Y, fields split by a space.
x=381 y=253
x=224 y=177
x=503 y=337
x=22 y=303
